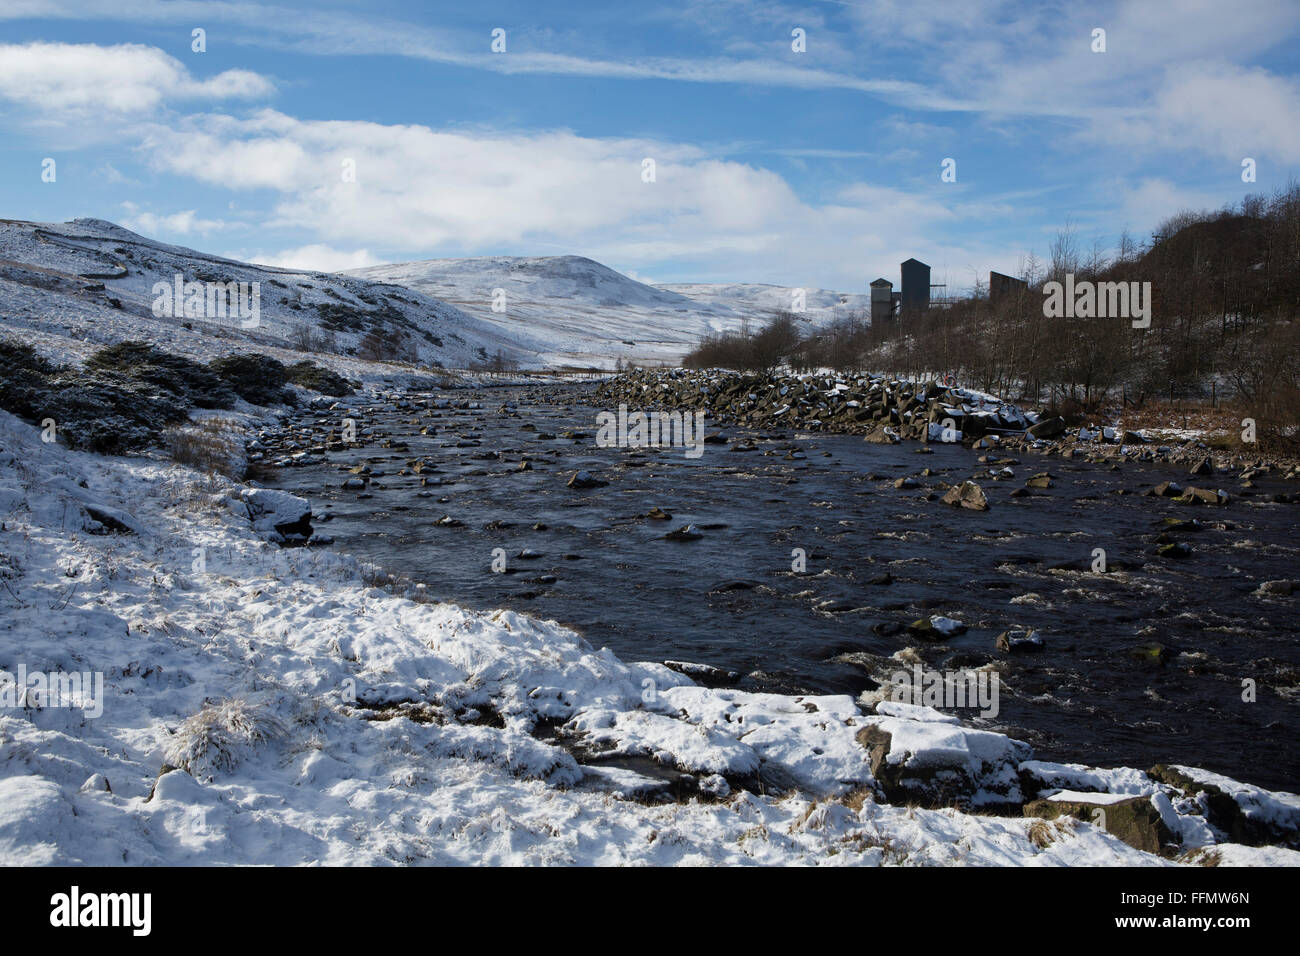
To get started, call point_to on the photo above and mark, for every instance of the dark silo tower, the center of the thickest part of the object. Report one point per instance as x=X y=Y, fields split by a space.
x=916 y=286
x=882 y=299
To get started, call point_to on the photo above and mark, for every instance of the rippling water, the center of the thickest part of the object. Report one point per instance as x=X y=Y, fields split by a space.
x=732 y=600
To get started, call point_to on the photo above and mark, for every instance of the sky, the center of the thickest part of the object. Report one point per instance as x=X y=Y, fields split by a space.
x=798 y=144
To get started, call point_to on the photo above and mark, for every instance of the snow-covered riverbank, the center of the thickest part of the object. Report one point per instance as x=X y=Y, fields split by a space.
x=321 y=719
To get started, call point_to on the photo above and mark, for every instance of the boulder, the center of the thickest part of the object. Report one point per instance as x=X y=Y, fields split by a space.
x=919 y=755
x=1203 y=496
x=1151 y=655
x=1135 y=820
x=967 y=495
x=936 y=628
x=278 y=515
x=1020 y=640
x=1048 y=428
x=1166 y=489
x=1246 y=814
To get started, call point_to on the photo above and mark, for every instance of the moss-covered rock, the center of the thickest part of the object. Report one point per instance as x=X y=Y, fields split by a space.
x=1135 y=820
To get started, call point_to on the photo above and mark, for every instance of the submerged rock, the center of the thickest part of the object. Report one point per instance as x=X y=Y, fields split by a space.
x=1020 y=640
x=688 y=532
x=585 y=479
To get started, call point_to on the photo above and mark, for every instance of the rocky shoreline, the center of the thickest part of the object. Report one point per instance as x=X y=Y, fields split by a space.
x=888 y=411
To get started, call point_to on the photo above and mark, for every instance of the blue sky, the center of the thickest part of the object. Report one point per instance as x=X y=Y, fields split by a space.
x=818 y=168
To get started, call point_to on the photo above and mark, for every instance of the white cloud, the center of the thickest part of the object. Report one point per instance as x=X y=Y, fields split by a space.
x=1227 y=111
x=1154 y=199
x=70 y=81
x=443 y=193
x=312 y=258
x=186 y=222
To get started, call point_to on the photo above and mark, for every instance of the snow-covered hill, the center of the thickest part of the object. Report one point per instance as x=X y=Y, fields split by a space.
x=575 y=311
x=69 y=288
x=821 y=306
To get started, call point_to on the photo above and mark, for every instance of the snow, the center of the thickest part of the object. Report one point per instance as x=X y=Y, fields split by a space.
x=1264 y=806
x=47 y=271
x=268 y=706
x=1122 y=781
x=1079 y=796
x=571 y=310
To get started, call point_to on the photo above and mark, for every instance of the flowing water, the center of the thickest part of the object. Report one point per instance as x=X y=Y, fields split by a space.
x=733 y=598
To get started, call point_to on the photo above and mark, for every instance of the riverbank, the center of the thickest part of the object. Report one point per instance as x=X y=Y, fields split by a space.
x=886 y=410
x=268 y=705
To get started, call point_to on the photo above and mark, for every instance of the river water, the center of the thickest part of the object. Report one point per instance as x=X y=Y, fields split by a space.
x=733 y=598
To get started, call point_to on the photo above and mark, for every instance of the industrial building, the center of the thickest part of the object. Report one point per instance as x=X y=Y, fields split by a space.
x=1001 y=286
x=918 y=293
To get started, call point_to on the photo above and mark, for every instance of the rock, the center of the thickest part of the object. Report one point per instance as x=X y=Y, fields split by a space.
x=1175 y=549
x=96 y=783
x=1020 y=640
x=1135 y=820
x=447 y=521
x=105 y=520
x=685 y=533
x=1040 y=480
x=736 y=585
x=1244 y=813
x=278 y=515
x=967 y=495
x=881 y=436
x=1151 y=655
x=925 y=757
x=1166 y=489
x=1048 y=428
x=585 y=479
x=908 y=482
x=1280 y=587
x=706 y=672
x=658 y=514
x=354 y=484
x=1203 y=496
x=936 y=628
x=1204 y=467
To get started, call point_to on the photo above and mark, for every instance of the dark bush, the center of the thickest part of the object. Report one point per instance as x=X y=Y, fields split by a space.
x=256 y=378
x=98 y=409
x=178 y=375
x=323 y=380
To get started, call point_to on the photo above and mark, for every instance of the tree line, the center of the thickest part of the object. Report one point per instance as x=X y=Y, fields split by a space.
x=1225 y=298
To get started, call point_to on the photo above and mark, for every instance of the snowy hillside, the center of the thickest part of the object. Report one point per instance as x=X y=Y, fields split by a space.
x=821 y=306
x=575 y=311
x=68 y=288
